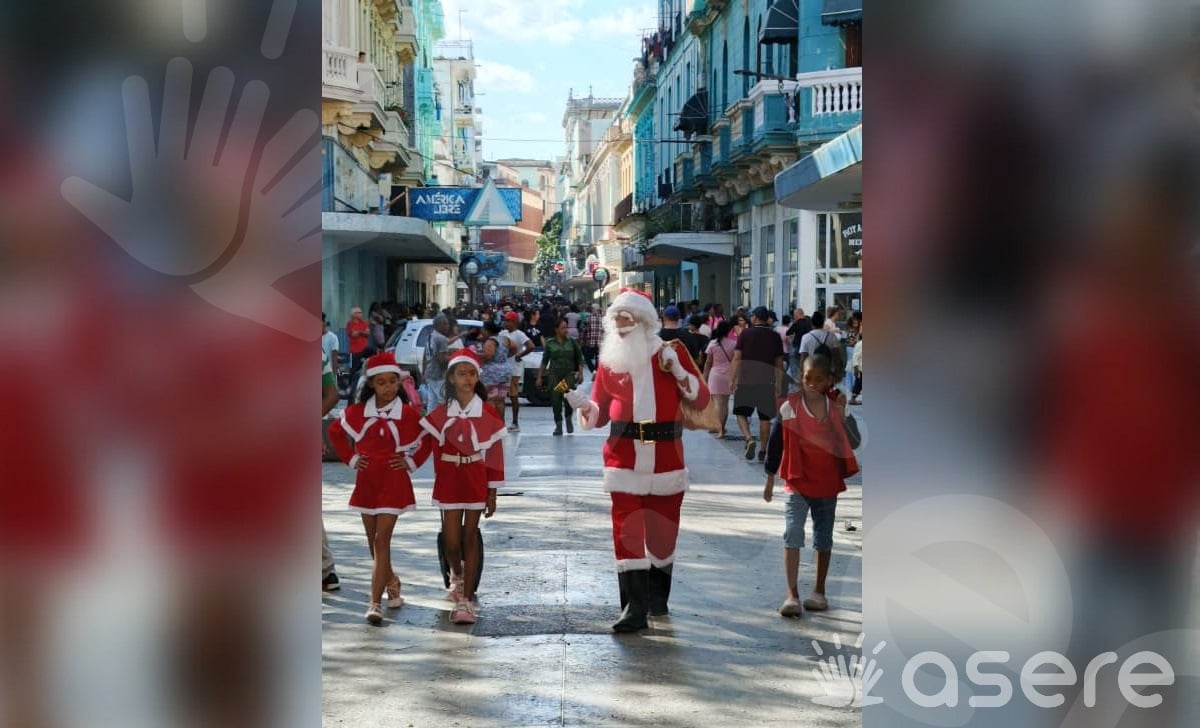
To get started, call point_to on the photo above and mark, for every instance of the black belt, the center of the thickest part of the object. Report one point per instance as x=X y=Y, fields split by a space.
x=647 y=431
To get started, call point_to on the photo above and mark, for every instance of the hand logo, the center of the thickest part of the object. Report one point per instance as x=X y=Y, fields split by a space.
x=847 y=681
x=242 y=229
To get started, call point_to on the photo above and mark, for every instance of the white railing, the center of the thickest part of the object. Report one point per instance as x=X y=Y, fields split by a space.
x=395 y=129
x=834 y=92
x=371 y=84
x=339 y=67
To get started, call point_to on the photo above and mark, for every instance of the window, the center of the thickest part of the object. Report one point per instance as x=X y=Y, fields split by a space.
x=745 y=256
x=766 y=246
x=852 y=41
x=746 y=55
x=724 y=77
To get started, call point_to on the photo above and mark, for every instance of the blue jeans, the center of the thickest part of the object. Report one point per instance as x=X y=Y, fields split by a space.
x=796 y=513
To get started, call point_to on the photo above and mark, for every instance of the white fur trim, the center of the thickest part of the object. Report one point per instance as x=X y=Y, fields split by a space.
x=383 y=369
x=353 y=461
x=412 y=465
x=660 y=563
x=462 y=359
x=638 y=305
x=428 y=427
x=494 y=484
x=623 y=480
x=356 y=436
x=460 y=506
x=624 y=565
x=384 y=511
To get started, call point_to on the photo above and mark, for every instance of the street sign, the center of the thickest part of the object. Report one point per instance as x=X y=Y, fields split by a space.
x=489 y=209
x=452 y=204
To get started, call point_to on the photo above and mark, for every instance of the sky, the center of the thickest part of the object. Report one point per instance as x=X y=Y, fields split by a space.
x=531 y=54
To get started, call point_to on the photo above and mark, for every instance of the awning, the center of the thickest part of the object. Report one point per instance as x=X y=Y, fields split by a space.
x=783 y=23
x=828 y=179
x=692 y=246
x=694 y=117
x=404 y=237
x=841 y=12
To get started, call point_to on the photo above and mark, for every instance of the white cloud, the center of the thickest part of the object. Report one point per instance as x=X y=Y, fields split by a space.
x=495 y=77
x=519 y=21
x=628 y=23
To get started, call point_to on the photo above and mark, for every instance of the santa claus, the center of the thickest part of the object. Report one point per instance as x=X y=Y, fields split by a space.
x=639 y=389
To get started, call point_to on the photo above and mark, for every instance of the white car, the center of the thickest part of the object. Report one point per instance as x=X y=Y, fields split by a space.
x=409 y=346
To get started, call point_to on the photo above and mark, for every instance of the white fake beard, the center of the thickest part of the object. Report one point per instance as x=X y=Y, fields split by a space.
x=624 y=354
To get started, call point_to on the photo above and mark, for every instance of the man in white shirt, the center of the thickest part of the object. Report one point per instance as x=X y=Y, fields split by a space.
x=818 y=336
x=329 y=343
x=518 y=346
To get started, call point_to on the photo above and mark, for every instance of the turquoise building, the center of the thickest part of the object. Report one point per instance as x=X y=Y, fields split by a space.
x=744 y=92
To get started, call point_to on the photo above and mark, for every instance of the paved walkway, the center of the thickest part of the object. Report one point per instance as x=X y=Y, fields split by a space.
x=542 y=652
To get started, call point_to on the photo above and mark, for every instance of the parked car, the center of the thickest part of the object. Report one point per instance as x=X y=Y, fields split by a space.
x=410 y=344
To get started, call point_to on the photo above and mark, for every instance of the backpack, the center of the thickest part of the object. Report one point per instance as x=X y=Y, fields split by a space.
x=832 y=348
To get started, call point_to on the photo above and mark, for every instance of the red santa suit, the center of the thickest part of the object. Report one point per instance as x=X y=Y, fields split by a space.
x=645 y=477
x=468 y=447
x=379 y=434
x=644 y=471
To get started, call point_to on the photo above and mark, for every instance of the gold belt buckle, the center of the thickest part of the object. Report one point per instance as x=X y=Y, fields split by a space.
x=642 y=431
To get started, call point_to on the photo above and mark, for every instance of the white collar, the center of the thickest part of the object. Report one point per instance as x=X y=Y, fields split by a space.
x=393 y=411
x=474 y=408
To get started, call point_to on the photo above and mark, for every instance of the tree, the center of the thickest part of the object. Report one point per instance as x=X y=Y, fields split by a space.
x=548 y=246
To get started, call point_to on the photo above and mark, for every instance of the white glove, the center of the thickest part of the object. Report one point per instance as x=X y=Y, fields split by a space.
x=576 y=399
x=670 y=360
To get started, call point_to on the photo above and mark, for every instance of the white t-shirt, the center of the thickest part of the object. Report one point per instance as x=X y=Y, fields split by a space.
x=810 y=341
x=329 y=342
x=705 y=330
x=519 y=339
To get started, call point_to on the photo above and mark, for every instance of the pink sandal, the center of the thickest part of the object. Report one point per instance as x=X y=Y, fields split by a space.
x=395 y=600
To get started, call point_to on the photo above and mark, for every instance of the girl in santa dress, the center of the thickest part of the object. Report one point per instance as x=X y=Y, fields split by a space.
x=468 y=451
x=382 y=439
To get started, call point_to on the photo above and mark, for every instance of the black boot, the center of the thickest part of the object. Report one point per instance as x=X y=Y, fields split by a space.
x=570 y=424
x=660 y=590
x=557 y=428
x=634 y=586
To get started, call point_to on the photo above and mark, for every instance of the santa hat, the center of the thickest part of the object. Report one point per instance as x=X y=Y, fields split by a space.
x=383 y=363
x=464 y=356
x=636 y=303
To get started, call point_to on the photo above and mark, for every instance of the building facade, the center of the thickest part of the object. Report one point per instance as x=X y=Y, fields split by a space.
x=726 y=95
x=376 y=121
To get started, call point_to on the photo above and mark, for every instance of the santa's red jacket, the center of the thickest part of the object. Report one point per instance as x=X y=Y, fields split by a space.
x=647 y=394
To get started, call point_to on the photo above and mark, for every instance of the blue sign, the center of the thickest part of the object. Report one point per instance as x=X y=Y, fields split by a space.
x=451 y=204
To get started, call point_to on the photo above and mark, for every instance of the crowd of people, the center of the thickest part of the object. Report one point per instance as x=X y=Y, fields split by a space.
x=795 y=375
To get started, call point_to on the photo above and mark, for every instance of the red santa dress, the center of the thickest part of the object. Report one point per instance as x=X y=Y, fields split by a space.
x=468 y=451
x=645 y=477
x=379 y=434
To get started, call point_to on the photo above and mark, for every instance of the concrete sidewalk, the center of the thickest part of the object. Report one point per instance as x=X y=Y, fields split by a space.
x=543 y=652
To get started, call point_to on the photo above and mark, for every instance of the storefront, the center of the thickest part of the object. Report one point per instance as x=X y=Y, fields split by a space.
x=826 y=187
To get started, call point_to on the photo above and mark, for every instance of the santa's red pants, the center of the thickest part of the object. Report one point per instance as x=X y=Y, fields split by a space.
x=644 y=529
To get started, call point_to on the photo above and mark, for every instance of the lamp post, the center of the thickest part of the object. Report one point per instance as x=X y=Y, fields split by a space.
x=468 y=269
x=600 y=276
x=483 y=281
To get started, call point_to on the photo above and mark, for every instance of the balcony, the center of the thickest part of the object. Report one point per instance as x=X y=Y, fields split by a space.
x=404 y=39
x=339 y=70
x=830 y=101
x=623 y=209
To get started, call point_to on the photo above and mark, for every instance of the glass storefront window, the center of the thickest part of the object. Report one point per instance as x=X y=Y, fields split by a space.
x=846 y=248
x=822 y=240
x=791 y=250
